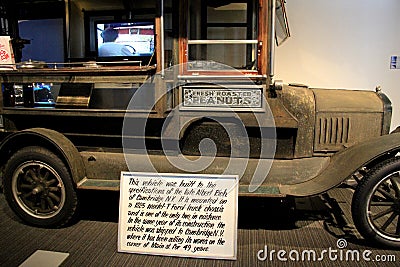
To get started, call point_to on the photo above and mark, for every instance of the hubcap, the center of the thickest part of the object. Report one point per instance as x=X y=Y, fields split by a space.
x=38 y=189
x=384 y=207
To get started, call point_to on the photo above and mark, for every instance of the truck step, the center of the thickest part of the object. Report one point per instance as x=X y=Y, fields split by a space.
x=113 y=185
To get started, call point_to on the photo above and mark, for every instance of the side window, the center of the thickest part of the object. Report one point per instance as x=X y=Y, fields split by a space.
x=224 y=32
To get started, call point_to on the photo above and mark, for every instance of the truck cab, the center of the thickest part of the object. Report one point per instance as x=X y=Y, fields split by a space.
x=196 y=95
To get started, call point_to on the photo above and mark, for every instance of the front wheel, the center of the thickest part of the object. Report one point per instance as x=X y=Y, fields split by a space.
x=38 y=188
x=376 y=204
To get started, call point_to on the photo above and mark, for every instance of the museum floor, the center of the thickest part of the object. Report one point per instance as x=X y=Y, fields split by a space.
x=316 y=224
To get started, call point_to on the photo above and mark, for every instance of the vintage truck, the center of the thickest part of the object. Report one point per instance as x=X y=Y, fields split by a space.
x=73 y=126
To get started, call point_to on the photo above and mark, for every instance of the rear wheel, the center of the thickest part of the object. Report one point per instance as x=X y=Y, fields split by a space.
x=38 y=188
x=376 y=204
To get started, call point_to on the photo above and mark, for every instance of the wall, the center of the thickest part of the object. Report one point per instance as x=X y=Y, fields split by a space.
x=46 y=37
x=76 y=44
x=342 y=44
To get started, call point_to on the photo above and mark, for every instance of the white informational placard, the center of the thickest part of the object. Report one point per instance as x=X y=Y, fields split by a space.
x=6 y=53
x=186 y=215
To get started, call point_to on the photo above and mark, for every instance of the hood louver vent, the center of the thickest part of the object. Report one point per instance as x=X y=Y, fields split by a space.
x=331 y=132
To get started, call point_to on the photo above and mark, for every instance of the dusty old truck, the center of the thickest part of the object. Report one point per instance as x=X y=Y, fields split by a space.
x=72 y=126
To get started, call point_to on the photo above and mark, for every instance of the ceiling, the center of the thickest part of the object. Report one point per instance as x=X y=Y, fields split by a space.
x=92 y=5
x=100 y=4
x=87 y=4
x=113 y=4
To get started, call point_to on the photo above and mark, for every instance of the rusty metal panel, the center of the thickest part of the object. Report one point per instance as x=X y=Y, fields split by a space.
x=343 y=164
x=108 y=166
x=346 y=117
x=57 y=141
x=300 y=103
x=333 y=100
x=334 y=131
x=387 y=112
x=282 y=117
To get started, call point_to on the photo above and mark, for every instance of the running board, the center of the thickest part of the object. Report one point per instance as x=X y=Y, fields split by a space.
x=113 y=185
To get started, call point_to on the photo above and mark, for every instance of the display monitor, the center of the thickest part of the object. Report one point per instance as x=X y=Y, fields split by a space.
x=125 y=40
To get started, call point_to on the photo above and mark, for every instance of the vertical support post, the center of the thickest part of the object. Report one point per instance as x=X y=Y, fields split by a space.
x=271 y=39
x=162 y=37
x=263 y=37
x=67 y=21
x=183 y=46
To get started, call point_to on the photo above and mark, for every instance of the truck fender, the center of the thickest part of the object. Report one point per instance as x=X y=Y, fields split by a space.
x=50 y=139
x=345 y=163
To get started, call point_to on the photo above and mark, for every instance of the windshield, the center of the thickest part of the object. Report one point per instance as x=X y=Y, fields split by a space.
x=282 y=26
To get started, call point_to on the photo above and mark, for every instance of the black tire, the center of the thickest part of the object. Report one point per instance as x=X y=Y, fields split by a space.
x=376 y=204
x=39 y=189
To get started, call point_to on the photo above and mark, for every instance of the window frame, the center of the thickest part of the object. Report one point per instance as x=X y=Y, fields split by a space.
x=261 y=43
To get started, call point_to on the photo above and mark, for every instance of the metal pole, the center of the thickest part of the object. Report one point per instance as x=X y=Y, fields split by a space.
x=67 y=51
x=272 y=41
x=162 y=39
